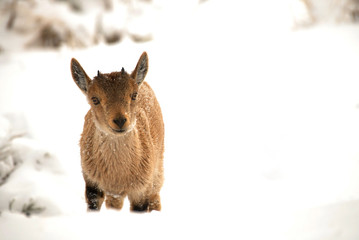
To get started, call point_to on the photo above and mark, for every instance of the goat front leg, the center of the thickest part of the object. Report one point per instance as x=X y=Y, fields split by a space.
x=94 y=197
x=147 y=204
x=138 y=203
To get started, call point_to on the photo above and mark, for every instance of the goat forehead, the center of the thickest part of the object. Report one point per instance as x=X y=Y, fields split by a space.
x=114 y=84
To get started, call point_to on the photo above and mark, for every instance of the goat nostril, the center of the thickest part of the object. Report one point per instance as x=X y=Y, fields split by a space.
x=120 y=122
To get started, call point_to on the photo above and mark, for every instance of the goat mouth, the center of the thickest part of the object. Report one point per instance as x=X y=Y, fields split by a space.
x=124 y=131
x=118 y=130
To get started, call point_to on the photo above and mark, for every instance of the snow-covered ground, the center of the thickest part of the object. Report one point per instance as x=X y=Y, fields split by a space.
x=262 y=129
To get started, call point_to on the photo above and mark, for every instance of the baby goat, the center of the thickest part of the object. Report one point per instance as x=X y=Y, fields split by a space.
x=122 y=142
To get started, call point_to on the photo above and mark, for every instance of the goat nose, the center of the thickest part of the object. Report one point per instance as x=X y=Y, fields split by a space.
x=120 y=121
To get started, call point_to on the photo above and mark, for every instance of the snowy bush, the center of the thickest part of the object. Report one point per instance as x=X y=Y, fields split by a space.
x=307 y=12
x=8 y=132
x=77 y=23
x=25 y=167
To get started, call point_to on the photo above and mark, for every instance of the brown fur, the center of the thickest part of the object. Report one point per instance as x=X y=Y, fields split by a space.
x=121 y=159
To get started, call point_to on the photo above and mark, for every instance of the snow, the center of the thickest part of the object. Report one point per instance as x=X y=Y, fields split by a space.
x=261 y=121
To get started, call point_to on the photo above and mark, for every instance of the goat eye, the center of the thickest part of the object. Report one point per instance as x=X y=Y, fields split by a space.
x=95 y=100
x=134 y=96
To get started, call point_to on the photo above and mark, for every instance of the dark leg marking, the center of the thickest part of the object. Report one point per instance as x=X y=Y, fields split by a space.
x=140 y=207
x=94 y=197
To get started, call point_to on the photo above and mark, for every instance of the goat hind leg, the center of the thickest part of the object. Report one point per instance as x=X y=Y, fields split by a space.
x=155 y=202
x=114 y=202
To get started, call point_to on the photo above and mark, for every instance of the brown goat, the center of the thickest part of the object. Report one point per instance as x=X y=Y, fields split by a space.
x=122 y=143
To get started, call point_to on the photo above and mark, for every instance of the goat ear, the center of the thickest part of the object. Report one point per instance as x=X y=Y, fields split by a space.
x=79 y=75
x=140 y=71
